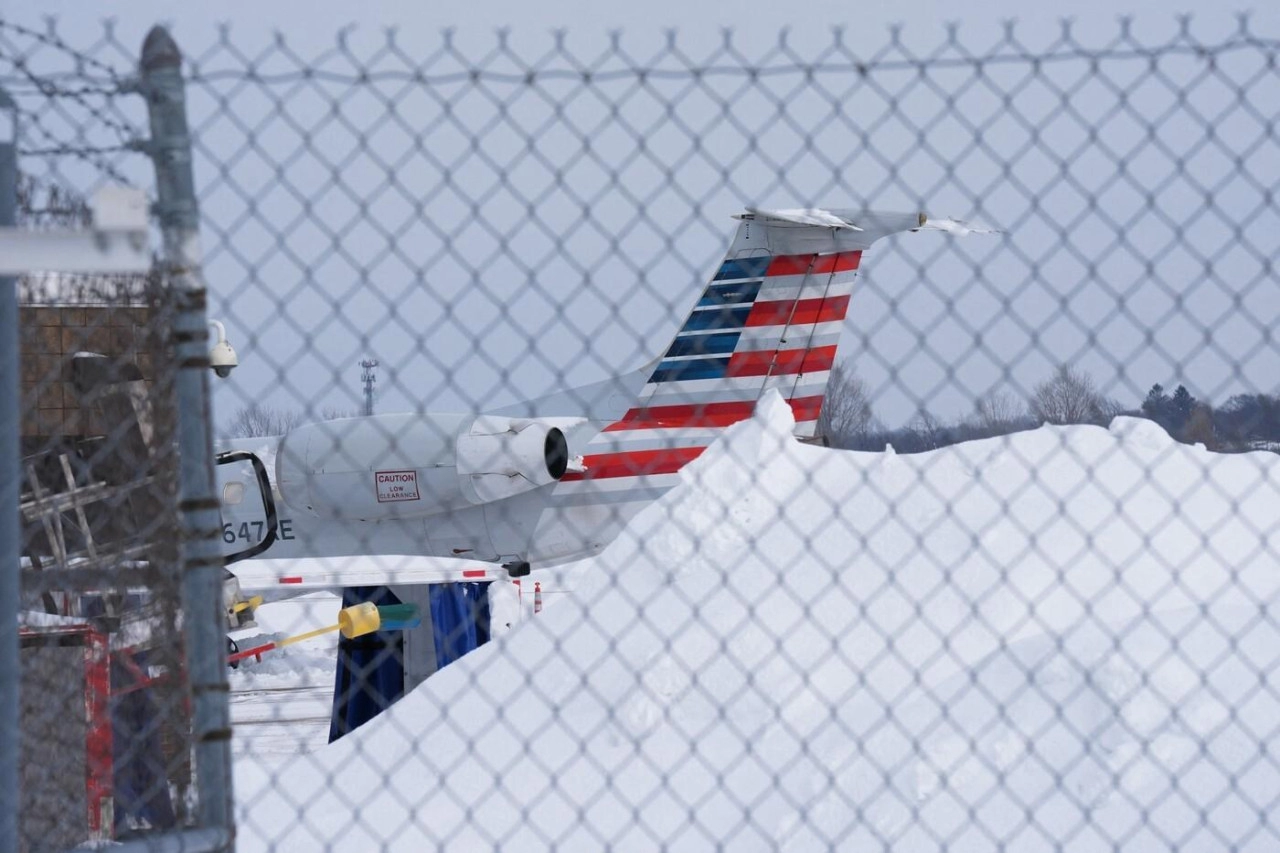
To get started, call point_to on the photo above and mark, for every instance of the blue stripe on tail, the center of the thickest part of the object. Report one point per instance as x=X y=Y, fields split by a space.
x=722 y=311
x=717 y=343
x=698 y=368
x=728 y=294
x=743 y=268
x=717 y=319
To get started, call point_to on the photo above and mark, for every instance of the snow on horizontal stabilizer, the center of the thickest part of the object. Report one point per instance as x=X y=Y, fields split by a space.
x=955 y=226
x=807 y=216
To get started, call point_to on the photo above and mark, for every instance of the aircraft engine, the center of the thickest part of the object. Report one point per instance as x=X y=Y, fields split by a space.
x=401 y=466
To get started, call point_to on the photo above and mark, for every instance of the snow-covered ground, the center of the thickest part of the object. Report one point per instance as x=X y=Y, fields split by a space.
x=1065 y=639
x=280 y=705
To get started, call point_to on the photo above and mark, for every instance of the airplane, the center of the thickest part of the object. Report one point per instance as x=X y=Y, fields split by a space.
x=452 y=497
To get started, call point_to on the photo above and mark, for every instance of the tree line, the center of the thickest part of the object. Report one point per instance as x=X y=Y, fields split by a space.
x=256 y=420
x=1243 y=422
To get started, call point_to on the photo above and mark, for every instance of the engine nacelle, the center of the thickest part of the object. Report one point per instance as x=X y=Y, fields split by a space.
x=401 y=466
x=499 y=457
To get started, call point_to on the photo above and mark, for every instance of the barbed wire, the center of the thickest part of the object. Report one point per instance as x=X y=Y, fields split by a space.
x=83 y=151
x=50 y=38
x=1009 y=50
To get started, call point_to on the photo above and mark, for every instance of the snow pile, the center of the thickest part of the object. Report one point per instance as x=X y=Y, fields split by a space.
x=1064 y=639
x=35 y=619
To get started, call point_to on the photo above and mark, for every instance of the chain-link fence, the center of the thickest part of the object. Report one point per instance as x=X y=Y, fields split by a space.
x=551 y=523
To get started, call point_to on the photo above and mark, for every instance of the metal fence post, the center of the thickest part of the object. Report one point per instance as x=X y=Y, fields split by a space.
x=202 y=566
x=10 y=676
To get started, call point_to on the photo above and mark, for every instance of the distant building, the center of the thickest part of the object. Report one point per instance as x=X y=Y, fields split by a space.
x=62 y=317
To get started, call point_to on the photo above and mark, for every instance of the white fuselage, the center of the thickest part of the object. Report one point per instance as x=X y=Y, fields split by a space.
x=548 y=524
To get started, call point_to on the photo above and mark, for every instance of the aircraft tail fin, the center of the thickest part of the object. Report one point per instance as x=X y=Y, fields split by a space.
x=770 y=317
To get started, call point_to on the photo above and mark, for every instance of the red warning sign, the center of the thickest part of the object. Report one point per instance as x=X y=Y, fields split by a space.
x=396 y=486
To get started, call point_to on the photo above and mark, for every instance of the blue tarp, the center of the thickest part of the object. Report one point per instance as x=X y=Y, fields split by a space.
x=459 y=619
x=370 y=674
x=140 y=782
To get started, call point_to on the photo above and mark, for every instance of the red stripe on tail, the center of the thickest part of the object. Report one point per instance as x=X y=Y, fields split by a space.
x=781 y=363
x=841 y=262
x=789 y=265
x=796 y=312
x=814 y=264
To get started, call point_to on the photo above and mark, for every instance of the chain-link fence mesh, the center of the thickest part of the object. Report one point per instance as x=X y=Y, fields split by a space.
x=104 y=720
x=534 y=540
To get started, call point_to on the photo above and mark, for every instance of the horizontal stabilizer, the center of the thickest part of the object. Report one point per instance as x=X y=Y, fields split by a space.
x=958 y=227
x=806 y=216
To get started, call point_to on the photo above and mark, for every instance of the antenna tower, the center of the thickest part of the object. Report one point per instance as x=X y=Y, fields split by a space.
x=369 y=378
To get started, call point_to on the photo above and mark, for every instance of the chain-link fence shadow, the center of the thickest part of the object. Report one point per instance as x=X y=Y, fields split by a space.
x=937 y=511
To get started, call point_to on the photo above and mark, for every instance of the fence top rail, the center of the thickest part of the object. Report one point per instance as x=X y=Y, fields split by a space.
x=382 y=57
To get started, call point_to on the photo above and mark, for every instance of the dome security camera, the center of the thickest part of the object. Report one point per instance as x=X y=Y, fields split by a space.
x=222 y=358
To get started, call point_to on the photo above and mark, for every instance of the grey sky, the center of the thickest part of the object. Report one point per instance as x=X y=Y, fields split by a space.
x=303 y=18
x=305 y=294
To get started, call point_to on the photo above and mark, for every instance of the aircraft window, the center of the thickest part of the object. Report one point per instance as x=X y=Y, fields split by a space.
x=232 y=494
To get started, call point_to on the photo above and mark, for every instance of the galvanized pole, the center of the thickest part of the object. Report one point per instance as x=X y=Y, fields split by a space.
x=202 y=567
x=10 y=487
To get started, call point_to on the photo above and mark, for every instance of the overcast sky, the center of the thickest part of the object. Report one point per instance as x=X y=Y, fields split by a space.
x=467 y=303
x=317 y=17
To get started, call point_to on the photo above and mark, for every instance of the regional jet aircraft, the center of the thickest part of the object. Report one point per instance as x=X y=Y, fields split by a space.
x=538 y=485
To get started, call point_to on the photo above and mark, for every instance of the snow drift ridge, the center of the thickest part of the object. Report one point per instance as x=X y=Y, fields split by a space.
x=1060 y=637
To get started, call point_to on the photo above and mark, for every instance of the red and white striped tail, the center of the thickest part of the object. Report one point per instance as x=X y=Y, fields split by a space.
x=770 y=318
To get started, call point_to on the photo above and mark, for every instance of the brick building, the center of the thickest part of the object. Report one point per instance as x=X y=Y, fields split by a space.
x=60 y=318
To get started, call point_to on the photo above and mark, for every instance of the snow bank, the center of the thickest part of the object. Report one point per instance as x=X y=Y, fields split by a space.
x=1061 y=637
x=35 y=619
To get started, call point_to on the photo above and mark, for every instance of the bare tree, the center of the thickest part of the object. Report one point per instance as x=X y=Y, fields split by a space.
x=997 y=410
x=1070 y=397
x=846 y=411
x=1112 y=408
x=930 y=431
x=253 y=421
x=1199 y=428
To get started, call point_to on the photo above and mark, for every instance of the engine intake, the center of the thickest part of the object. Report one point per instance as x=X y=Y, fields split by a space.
x=500 y=457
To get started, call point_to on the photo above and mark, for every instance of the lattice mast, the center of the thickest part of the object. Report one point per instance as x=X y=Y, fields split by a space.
x=369 y=378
